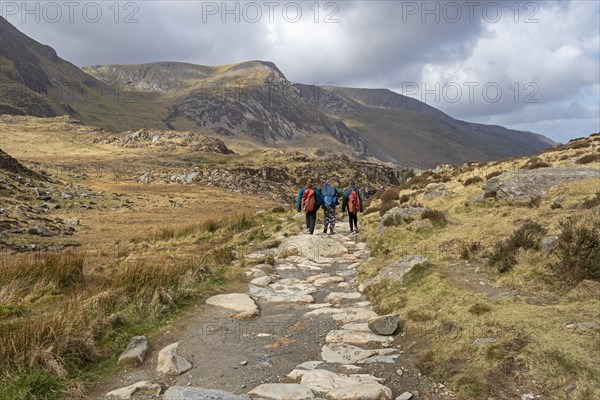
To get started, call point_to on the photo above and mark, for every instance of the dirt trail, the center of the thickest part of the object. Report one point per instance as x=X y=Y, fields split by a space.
x=311 y=311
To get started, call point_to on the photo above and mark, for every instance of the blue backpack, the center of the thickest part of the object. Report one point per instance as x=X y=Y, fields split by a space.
x=329 y=195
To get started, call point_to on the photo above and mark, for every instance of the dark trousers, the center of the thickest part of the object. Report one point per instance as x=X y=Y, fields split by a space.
x=353 y=221
x=311 y=219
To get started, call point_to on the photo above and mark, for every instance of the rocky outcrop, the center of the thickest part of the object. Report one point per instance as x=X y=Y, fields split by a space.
x=523 y=185
x=169 y=139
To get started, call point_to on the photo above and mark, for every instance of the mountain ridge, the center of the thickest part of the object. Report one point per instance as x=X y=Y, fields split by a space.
x=252 y=102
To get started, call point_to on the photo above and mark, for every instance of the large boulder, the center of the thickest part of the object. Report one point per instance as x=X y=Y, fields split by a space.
x=522 y=185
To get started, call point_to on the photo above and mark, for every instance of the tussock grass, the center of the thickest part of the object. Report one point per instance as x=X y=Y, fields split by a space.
x=58 y=316
x=30 y=276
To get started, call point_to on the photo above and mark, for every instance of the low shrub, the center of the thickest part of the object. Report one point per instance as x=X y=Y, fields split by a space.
x=472 y=180
x=578 y=250
x=534 y=202
x=593 y=202
x=404 y=198
x=588 y=159
x=579 y=145
x=468 y=249
x=493 y=174
x=437 y=218
x=479 y=309
x=534 y=163
x=504 y=254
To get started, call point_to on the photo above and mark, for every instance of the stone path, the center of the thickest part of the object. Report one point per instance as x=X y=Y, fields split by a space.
x=300 y=330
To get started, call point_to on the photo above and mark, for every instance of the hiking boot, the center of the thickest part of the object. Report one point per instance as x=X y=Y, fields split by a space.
x=331 y=231
x=324 y=230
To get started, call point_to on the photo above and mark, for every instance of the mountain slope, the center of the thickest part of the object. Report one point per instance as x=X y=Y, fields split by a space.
x=251 y=100
x=252 y=103
x=408 y=131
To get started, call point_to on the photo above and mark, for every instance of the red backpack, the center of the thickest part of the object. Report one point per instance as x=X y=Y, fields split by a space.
x=308 y=200
x=353 y=202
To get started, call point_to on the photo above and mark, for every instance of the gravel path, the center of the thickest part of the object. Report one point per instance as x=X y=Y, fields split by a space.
x=299 y=331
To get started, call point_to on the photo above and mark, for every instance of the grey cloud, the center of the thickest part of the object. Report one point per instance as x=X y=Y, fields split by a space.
x=373 y=44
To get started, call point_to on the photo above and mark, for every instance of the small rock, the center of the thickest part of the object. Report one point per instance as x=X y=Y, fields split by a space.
x=135 y=351
x=405 y=396
x=170 y=363
x=399 y=372
x=281 y=391
x=483 y=341
x=127 y=392
x=195 y=393
x=40 y=231
x=72 y=222
x=582 y=325
x=261 y=281
x=548 y=244
x=384 y=325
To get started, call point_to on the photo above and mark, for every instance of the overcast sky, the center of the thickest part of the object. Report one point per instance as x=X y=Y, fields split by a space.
x=525 y=65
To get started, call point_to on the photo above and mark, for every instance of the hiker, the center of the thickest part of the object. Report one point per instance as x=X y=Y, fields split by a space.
x=354 y=203
x=330 y=202
x=309 y=201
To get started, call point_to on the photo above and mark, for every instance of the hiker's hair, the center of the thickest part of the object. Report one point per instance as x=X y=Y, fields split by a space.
x=351 y=183
x=309 y=182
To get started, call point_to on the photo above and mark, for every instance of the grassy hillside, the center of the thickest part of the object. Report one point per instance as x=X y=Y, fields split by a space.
x=489 y=315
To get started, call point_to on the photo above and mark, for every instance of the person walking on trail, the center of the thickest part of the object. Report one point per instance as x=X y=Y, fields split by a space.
x=353 y=202
x=309 y=200
x=330 y=202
